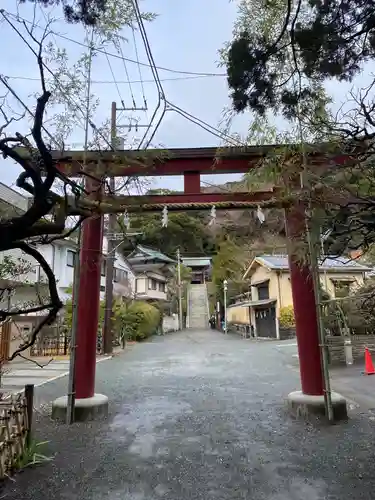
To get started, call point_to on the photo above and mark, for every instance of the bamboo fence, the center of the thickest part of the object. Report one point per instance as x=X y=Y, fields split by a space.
x=14 y=429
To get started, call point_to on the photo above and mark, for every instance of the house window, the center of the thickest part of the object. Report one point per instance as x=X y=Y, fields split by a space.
x=263 y=291
x=342 y=289
x=103 y=267
x=161 y=286
x=119 y=275
x=152 y=284
x=70 y=258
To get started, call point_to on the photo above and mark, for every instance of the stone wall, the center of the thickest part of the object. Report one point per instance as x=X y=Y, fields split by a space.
x=287 y=333
x=359 y=342
x=336 y=346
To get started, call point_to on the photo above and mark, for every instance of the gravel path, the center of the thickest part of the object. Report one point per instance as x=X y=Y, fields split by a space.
x=198 y=416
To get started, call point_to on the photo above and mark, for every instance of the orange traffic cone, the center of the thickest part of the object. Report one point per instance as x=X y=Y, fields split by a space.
x=369 y=367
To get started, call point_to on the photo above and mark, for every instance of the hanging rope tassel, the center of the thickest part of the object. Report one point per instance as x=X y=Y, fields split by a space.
x=212 y=216
x=164 y=219
x=126 y=220
x=260 y=215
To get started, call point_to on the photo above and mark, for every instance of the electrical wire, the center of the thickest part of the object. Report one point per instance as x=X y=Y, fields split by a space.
x=116 y=56
x=204 y=125
x=148 y=48
x=114 y=80
x=168 y=105
x=106 y=82
x=67 y=98
x=161 y=95
x=127 y=74
x=16 y=96
x=139 y=68
x=162 y=101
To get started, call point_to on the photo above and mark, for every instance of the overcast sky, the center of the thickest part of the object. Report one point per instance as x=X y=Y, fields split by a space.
x=185 y=37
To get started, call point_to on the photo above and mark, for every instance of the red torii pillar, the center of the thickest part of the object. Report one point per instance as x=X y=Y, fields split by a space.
x=87 y=403
x=88 y=300
x=311 y=400
x=304 y=303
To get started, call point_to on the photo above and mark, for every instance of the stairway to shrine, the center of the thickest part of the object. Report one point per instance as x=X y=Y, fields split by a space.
x=197 y=308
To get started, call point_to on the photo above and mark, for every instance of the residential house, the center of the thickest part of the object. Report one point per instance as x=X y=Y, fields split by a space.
x=152 y=270
x=270 y=289
x=31 y=286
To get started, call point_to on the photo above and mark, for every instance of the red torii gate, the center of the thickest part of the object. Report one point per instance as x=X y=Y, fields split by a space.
x=191 y=163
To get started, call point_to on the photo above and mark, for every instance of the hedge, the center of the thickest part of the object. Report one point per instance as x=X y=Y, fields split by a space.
x=138 y=320
x=135 y=320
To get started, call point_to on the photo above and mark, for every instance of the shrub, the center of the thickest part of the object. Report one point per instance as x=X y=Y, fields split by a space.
x=139 y=320
x=286 y=319
x=133 y=320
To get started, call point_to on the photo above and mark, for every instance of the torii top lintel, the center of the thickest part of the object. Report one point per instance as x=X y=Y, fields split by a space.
x=158 y=162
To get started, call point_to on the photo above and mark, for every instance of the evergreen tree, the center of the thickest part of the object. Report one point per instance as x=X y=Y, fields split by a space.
x=316 y=39
x=87 y=12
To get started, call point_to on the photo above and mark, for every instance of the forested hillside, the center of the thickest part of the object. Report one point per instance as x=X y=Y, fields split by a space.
x=194 y=235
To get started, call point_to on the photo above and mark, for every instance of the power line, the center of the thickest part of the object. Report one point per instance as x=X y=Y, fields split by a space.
x=67 y=97
x=126 y=72
x=161 y=95
x=115 y=81
x=116 y=56
x=162 y=101
x=107 y=82
x=139 y=69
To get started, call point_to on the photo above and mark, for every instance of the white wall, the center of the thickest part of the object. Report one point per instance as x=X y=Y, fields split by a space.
x=170 y=323
x=143 y=290
x=56 y=254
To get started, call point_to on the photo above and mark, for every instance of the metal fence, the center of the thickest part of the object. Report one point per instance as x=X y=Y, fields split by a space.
x=52 y=341
x=55 y=341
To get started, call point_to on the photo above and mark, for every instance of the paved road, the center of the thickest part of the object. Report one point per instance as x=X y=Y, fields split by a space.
x=200 y=416
x=20 y=372
x=349 y=381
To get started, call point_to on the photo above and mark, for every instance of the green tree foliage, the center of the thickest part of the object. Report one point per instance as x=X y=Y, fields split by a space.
x=228 y=264
x=13 y=269
x=87 y=12
x=278 y=63
x=286 y=319
x=317 y=39
x=139 y=320
x=356 y=313
x=184 y=231
x=133 y=320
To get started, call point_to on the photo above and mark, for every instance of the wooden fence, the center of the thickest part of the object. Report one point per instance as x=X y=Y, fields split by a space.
x=15 y=426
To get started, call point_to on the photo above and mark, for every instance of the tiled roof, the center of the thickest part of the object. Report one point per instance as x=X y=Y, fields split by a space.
x=152 y=254
x=328 y=263
x=196 y=261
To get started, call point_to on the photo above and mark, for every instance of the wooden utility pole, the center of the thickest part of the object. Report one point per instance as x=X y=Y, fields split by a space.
x=111 y=257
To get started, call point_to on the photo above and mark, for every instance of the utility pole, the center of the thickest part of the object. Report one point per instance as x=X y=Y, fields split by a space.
x=225 y=286
x=179 y=290
x=111 y=253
